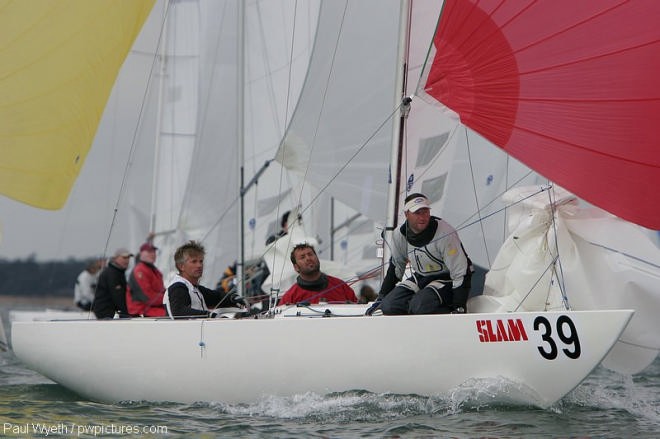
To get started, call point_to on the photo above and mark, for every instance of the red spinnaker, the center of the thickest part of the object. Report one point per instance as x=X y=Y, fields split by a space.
x=570 y=88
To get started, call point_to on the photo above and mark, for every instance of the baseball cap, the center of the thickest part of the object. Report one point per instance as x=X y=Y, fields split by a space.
x=147 y=246
x=417 y=203
x=123 y=252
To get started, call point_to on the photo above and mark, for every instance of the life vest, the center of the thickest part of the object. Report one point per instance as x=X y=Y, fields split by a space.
x=196 y=297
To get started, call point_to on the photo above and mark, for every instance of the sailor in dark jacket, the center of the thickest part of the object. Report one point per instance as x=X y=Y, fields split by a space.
x=110 y=294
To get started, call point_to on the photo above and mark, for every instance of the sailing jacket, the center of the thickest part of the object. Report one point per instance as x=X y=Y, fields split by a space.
x=83 y=292
x=334 y=290
x=111 y=292
x=183 y=299
x=436 y=253
x=144 y=294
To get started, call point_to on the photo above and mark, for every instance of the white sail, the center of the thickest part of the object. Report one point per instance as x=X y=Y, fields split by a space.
x=337 y=144
x=584 y=258
x=340 y=134
x=176 y=104
x=191 y=112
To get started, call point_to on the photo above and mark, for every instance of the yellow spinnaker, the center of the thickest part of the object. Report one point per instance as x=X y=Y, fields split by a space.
x=58 y=62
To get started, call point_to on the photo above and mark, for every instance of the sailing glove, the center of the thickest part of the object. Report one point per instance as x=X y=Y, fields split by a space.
x=460 y=296
x=237 y=300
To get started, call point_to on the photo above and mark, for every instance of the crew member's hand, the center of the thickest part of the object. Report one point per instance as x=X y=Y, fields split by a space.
x=237 y=300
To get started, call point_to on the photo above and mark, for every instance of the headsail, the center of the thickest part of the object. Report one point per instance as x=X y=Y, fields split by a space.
x=569 y=89
x=48 y=121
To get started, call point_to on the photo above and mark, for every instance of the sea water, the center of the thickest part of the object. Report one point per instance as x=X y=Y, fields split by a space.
x=606 y=405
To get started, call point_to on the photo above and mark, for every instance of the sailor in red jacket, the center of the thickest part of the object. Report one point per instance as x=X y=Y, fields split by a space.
x=312 y=285
x=144 y=295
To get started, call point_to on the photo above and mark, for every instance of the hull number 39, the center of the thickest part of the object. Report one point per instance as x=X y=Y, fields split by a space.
x=566 y=333
x=562 y=337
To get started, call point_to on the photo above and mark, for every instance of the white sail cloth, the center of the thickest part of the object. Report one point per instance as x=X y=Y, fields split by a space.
x=596 y=268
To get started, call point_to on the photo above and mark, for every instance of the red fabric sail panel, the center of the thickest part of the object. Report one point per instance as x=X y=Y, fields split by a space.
x=569 y=88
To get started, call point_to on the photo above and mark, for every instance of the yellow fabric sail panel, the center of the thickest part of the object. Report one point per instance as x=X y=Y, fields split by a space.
x=58 y=63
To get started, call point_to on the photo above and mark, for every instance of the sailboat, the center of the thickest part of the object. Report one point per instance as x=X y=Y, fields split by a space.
x=537 y=355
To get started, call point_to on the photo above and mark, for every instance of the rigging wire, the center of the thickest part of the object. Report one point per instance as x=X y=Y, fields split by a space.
x=476 y=197
x=531 y=289
x=560 y=276
x=271 y=96
x=321 y=111
x=313 y=143
x=284 y=149
x=233 y=203
x=129 y=161
x=479 y=211
x=357 y=152
x=328 y=79
x=505 y=217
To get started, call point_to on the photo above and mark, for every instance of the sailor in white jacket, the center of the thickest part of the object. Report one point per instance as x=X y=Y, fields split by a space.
x=440 y=282
x=85 y=288
x=185 y=297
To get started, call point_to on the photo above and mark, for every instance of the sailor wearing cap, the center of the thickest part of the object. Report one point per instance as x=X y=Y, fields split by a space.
x=440 y=282
x=110 y=297
x=145 y=291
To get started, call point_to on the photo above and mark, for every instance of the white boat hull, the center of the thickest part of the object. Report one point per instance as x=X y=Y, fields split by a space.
x=50 y=314
x=242 y=360
x=4 y=345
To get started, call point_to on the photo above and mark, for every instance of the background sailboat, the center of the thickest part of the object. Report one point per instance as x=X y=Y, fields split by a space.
x=194 y=103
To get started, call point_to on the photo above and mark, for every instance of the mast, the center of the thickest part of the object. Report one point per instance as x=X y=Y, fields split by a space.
x=159 y=122
x=240 y=284
x=398 y=130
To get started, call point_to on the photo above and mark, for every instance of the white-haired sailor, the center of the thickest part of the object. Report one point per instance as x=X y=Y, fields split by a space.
x=440 y=282
x=185 y=297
